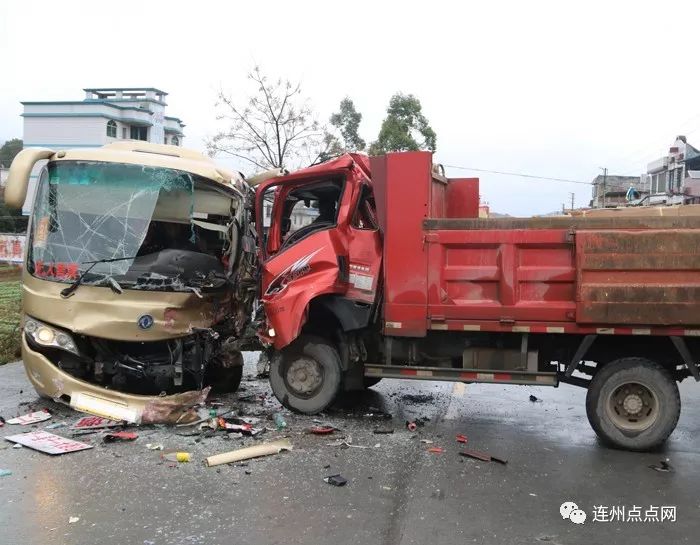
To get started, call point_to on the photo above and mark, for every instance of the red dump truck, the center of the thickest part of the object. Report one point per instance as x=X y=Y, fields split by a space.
x=380 y=267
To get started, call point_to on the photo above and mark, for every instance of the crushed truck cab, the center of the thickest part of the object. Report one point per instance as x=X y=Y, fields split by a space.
x=381 y=268
x=137 y=276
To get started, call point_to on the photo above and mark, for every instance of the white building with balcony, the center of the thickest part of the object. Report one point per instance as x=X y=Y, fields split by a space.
x=105 y=115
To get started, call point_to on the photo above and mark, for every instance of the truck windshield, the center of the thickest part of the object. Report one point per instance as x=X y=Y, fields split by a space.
x=94 y=211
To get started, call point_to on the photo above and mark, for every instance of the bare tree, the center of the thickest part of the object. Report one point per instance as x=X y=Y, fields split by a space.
x=275 y=127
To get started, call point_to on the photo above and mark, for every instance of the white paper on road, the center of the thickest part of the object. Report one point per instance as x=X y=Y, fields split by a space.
x=31 y=418
x=49 y=443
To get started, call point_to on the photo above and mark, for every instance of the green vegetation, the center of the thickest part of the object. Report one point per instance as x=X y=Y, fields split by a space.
x=10 y=311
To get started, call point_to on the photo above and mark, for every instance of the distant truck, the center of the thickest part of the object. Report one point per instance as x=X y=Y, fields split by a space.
x=397 y=277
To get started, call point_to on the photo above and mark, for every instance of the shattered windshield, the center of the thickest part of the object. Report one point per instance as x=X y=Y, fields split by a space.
x=123 y=222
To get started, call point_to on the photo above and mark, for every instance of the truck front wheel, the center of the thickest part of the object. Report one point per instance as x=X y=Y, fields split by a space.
x=306 y=375
x=633 y=404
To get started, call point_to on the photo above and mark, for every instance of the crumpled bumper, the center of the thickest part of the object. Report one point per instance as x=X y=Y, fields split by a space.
x=50 y=381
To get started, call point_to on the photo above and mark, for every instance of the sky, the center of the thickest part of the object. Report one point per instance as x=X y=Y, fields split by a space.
x=552 y=89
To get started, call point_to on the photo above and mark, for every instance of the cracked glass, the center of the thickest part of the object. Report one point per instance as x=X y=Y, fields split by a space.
x=96 y=216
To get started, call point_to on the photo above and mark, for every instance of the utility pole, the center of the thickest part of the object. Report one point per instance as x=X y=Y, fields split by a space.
x=605 y=180
x=573 y=196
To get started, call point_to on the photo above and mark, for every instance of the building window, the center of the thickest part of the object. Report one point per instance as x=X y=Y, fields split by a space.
x=139 y=133
x=175 y=141
x=124 y=133
x=112 y=128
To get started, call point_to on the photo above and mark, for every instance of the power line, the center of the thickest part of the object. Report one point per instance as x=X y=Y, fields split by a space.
x=520 y=174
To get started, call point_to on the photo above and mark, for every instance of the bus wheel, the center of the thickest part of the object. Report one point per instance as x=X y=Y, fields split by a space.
x=306 y=375
x=633 y=404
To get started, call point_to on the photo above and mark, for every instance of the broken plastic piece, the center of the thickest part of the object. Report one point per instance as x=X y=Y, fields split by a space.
x=266 y=449
x=535 y=399
x=436 y=450
x=31 y=418
x=154 y=446
x=120 y=436
x=461 y=438
x=177 y=456
x=336 y=480
x=411 y=426
x=71 y=520
x=427 y=441
x=5 y=472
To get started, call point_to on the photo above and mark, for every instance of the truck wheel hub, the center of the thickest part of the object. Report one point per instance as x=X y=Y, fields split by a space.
x=633 y=404
x=632 y=407
x=304 y=376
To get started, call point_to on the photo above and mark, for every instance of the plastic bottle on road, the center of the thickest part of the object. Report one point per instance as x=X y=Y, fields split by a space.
x=279 y=421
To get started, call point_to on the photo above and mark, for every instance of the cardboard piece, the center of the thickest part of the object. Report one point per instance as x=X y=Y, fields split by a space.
x=49 y=443
x=31 y=418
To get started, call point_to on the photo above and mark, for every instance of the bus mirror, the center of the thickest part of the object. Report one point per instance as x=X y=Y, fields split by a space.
x=18 y=177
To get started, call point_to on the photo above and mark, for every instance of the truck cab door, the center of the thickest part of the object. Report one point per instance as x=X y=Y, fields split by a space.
x=364 y=249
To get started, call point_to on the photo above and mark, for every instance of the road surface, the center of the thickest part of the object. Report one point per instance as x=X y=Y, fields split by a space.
x=397 y=492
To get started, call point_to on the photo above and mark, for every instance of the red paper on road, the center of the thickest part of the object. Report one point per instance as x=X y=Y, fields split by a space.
x=94 y=422
x=48 y=442
x=31 y=418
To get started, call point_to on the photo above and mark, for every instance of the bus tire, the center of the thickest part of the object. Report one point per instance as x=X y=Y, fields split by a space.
x=633 y=404
x=306 y=376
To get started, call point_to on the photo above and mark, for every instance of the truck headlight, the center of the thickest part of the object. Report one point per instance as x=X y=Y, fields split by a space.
x=46 y=335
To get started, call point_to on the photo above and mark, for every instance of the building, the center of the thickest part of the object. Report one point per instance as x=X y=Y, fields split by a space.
x=674 y=178
x=105 y=115
x=611 y=190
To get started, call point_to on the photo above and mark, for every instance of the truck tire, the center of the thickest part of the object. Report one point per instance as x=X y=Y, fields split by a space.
x=306 y=375
x=633 y=404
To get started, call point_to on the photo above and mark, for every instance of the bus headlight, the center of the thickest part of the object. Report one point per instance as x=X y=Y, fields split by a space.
x=46 y=335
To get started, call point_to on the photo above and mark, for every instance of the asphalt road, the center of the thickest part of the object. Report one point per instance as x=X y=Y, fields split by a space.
x=397 y=492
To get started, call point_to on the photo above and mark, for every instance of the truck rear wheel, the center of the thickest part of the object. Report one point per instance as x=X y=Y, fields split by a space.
x=306 y=375
x=633 y=404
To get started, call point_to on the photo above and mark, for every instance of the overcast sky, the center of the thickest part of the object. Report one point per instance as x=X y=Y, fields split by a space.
x=553 y=89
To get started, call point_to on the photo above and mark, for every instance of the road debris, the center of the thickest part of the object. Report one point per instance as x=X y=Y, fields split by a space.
x=280 y=422
x=95 y=423
x=436 y=450
x=120 y=436
x=72 y=520
x=383 y=431
x=483 y=456
x=154 y=446
x=176 y=456
x=2 y=421
x=321 y=430
x=664 y=466
x=411 y=426
x=265 y=449
x=174 y=409
x=535 y=399
x=55 y=426
x=49 y=443
x=461 y=438
x=427 y=441
x=336 y=480
x=5 y=472
x=31 y=418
